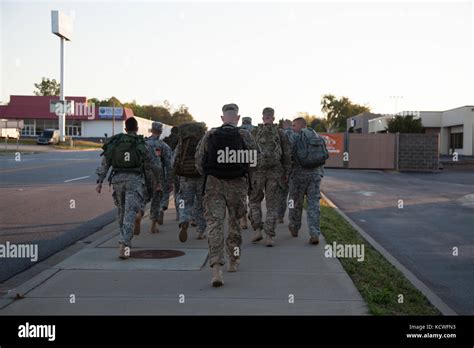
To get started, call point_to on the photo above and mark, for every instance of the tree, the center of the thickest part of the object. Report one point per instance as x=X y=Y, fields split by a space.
x=404 y=124
x=47 y=87
x=339 y=110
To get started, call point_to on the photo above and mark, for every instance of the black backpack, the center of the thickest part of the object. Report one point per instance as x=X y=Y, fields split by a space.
x=220 y=139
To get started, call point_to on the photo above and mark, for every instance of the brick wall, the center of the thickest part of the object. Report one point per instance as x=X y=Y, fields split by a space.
x=418 y=152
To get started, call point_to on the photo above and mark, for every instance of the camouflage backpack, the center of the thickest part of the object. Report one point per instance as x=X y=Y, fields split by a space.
x=268 y=140
x=125 y=152
x=189 y=133
x=310 y=149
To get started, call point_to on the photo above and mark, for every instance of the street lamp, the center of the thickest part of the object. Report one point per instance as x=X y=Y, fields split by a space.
x=61 y=25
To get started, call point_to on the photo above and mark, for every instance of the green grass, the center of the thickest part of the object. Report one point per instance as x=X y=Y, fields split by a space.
x=79 y=144
x=377 y=280
x=23 y=141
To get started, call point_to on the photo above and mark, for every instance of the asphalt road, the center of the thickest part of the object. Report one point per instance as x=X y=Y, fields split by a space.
x=49 y=199
x=437 y=217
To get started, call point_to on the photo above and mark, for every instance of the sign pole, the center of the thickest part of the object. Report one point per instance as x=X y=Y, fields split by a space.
x=62 y=117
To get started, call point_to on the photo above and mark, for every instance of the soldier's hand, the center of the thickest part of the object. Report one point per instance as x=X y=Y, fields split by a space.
x=98 y=188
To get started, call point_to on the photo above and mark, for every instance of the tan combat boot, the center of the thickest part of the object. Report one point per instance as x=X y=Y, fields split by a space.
x=258 y=235
x=280 y=220
x=183 y=232
x=154 y=228
x=243 y=223
x=138 y=221
x=233 y=265
x=160 y=217
x=201 y=235
x=217 y=276
x=293 y=232
x=314 y=240
x=269 y=242
x=124 y=251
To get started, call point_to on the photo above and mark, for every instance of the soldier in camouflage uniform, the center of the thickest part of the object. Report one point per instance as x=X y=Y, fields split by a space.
x=128 y=187
x=154 y=189
x=247 y=125
x=303 y=182
x=285 y=186
x=172 y=142
x=190 y=196
x=224 y=194
x=269 y=176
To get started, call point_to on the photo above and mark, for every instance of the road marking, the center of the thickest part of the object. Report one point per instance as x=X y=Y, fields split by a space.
x=37 y=167
x=82 y=177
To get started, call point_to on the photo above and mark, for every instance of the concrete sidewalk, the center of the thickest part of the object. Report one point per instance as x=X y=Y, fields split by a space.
x=267 y=280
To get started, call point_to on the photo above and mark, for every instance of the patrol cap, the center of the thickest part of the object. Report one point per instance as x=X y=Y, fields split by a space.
x=157 y=126
x=228 y=107
x=247 y=120
x=268 y=110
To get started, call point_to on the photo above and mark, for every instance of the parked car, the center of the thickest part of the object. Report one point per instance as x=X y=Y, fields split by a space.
x=49 y=136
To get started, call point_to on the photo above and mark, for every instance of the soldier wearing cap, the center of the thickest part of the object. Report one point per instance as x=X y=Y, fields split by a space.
x=247 y=124
x=269 y=176
x=155 y=189
x=225 y=189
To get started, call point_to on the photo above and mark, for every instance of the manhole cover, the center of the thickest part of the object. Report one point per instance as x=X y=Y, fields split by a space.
x=155 y=254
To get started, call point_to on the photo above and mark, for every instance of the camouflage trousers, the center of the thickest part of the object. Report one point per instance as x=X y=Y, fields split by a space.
x=301 y=185
x=283 y=203
x=151 y=194
x=166 y=196
x=222 y=195
x=189 y=197
x=128 y=196
x=265 y=184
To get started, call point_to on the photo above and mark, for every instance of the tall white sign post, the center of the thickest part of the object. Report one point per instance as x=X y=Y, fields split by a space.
x=61 y=25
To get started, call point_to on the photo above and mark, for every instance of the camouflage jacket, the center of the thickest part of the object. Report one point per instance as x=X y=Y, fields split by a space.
x=163 y=156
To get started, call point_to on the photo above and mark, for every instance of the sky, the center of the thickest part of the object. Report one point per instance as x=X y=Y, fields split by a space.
x=280 y=54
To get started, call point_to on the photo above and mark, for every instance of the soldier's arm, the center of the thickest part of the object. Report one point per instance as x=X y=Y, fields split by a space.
x=201 y=150
x=286 y=149
x=176 y=158
x=102 y=170
x=166 y=160
x=152 y=160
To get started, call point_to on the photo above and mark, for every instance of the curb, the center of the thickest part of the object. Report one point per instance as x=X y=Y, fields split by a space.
x=429 y=294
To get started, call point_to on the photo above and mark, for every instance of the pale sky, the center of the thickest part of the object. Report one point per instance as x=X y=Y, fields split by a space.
x=256 y=54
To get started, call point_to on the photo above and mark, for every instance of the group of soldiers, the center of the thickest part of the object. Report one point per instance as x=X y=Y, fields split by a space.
x=208 y=189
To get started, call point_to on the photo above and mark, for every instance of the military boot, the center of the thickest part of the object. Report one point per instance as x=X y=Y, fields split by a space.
x=154 y=227
x=124 y=252
x=243 y=223
x=160 y=217
x=217 y=276
x=269 y=241
x=183 y=232
x=258 y=235
x=233 y=265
